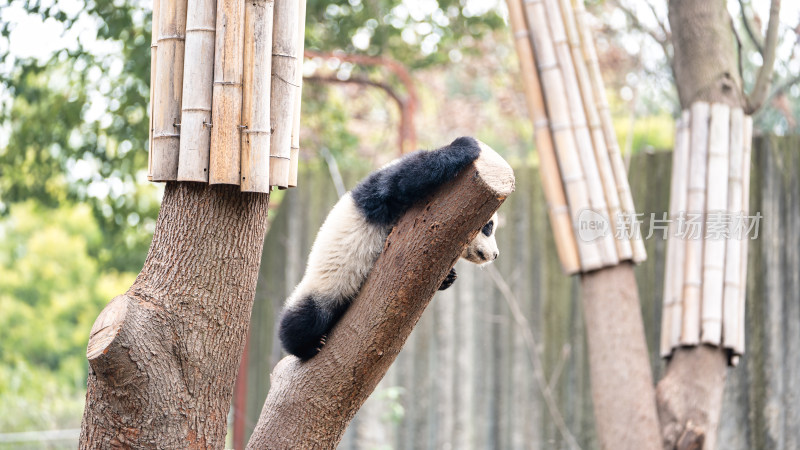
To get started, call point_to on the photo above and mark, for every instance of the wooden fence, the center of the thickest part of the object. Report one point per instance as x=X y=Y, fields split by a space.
x=466 y=378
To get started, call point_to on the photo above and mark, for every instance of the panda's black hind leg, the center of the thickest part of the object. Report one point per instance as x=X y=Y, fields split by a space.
x=449 y=279
x=304 y=327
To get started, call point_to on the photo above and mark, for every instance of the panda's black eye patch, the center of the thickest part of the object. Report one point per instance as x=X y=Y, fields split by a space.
x=487 y=229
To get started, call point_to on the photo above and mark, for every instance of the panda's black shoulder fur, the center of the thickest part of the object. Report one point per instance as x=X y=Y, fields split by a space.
x=388 y=193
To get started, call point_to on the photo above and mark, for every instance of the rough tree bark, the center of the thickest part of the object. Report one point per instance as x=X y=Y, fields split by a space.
x=310 y=404
x=621 y=378
x=163 y=356
x=706 y=68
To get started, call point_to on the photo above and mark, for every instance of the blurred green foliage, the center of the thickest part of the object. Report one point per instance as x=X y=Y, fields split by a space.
x=53 y=285
x=655 y=132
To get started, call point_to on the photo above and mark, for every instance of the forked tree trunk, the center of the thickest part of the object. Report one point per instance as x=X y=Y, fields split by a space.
x=163 y=356
x=706 y=69
x=310 y=403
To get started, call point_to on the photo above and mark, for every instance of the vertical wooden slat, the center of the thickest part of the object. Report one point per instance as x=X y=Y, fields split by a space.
x=695 y=206
x=673 y=273
x=748 y=142
x=618 y=167
x=153 y=65
x=714 y=237
x=566 y=150
x=623 y=246
x=284 y=89
x=557 y=208
x=168 y=89
x=733 y=252
x=256 y=95
x=198 y=76
x=225 y=154
x=583 y=140
x=294 y=154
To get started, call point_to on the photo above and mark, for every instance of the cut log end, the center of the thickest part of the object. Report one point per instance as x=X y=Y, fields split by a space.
x=106 y=327
x=495 y=171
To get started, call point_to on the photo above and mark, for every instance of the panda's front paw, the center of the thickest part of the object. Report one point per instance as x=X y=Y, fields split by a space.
x=449 y=279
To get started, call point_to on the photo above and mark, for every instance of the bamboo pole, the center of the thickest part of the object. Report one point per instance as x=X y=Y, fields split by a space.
x=198 y=77
x=227 y=95
x=566 y=150
x=673 y=272
x=714 y=238
x=617 y=165
x=733 y=253
x=256 y=96
x=154 y=25
x=294 y=154
x=583 y=140
x=748 y=142
x=284 y=89
x=623 y=246
x=695 y=206
x=168 y=89
x=557 y=208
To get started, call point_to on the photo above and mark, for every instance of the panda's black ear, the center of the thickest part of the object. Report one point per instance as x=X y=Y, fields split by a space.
x=465 y=141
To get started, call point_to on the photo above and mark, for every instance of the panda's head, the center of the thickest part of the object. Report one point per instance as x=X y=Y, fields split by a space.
x=483 y=249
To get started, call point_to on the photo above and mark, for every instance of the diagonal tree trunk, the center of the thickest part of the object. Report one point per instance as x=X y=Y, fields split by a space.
x=163 y=356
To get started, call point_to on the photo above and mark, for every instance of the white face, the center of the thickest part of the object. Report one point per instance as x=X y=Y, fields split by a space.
x=483 y=249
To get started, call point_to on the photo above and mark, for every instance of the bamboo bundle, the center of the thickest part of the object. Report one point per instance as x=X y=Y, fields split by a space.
x=154 y=25
x=618 y=167
x=256 y=95
x=552 y=83
x=227 y=94
x=168 y=89
x=577 y=121
x=676 y=247
x=284 y=89
x=715 y=214
x=733 y=253
x=294 y=154
x=695 y=207
x=738 y=348
x=557 y=209
x=198 y=76
x=623 y=246
x=705 y=273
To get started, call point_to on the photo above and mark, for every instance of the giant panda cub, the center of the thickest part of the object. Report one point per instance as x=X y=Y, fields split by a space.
x=352 y=237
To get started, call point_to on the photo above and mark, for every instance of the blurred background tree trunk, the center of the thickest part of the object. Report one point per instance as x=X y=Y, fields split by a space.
x=707 y=67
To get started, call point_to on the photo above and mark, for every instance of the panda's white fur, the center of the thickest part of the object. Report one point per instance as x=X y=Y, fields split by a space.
x=353 y=235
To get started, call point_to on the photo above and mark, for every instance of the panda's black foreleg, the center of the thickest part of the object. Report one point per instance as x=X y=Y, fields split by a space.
x=304 y=327
x=387 y=194
x=449 y=279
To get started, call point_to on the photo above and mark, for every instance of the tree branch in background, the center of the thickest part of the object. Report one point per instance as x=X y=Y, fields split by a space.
x=756 y=97
x=358 y=80
x=310 y=403
x=662 y=40
x=536 y=361
x=755 y=38
x=408 y=134
x=402 y=104
x=739 y=47
x=661 y=22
